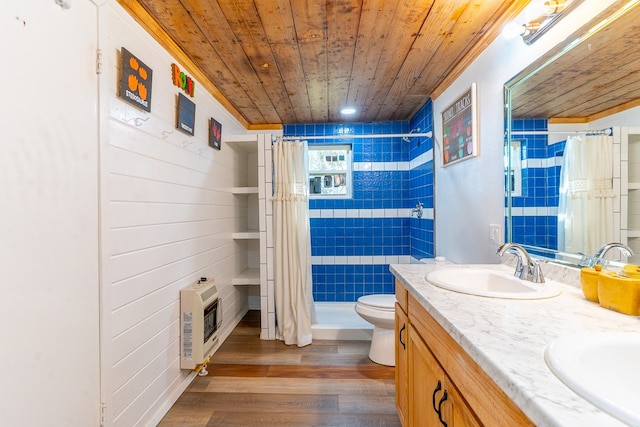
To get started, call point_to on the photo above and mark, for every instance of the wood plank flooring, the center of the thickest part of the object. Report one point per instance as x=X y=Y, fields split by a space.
x=266 y=383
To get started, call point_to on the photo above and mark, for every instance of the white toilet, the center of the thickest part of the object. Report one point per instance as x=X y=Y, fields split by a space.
x=379 y=310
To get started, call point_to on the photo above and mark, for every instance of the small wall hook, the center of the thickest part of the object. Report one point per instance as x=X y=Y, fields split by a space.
x=65 y=4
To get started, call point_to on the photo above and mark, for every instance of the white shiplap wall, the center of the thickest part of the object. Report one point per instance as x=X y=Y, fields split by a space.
x=167 y=216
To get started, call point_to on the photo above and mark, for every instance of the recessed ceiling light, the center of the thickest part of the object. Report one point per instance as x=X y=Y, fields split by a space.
x=348 y=110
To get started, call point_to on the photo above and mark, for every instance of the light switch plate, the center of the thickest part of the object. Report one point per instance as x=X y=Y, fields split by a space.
x=495 y=234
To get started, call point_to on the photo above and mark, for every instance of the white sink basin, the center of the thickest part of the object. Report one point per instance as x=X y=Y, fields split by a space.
x=603 y=368
x=490 y=283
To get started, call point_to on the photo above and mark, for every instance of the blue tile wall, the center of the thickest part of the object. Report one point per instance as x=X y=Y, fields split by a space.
x=349 y=282
x=536 y=230
x=359 y=236
x=422 y=183
x=540 y=186
x=371 y=190
x=364 y=235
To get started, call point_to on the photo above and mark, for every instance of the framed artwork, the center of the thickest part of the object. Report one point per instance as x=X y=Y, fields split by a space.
x=135 y=81
x=186 y=114
x=215 y=133
x=460 y=128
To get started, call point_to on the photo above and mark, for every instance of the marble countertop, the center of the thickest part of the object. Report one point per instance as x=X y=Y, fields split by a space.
x=507 y=338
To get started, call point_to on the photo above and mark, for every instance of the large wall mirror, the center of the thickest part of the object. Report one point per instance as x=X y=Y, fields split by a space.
x=572 y=145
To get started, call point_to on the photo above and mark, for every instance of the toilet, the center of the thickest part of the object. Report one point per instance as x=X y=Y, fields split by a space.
x=379 y=310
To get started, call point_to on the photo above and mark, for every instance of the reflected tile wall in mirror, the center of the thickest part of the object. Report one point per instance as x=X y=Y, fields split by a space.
x=535 y=211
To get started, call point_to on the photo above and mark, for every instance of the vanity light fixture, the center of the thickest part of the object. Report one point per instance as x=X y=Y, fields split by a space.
x=546 y=15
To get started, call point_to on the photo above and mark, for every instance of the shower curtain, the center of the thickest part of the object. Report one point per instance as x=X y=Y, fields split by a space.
x=292 y=245
x=585 y=209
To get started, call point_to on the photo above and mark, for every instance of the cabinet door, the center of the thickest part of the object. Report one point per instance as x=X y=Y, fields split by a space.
x=461 y=414
x=427 y=383
x=433 y=398
x=402 y=366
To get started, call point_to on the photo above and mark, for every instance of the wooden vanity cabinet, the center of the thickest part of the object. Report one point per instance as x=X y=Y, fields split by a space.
x=402 y=367
x=435 y=401
x=431 y=363
x=402 y=379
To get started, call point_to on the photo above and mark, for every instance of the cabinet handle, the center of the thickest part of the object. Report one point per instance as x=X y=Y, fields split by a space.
x=404 y=346
x=433 y=397
x=444 y=397
x=438 y=409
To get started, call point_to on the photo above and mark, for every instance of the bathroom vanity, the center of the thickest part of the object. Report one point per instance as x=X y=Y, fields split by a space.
x=432 y=367
x=487 y=354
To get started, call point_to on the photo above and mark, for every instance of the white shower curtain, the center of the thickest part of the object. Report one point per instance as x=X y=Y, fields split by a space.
x=585 y=209
x=292 y=245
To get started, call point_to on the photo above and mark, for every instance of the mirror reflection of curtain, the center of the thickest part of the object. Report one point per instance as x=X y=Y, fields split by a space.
x=292 y=244
x=585 y=208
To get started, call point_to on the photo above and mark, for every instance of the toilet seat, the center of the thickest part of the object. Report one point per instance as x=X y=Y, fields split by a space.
x=383 y=302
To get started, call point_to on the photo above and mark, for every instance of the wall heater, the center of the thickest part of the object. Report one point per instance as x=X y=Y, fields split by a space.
x=200 y=319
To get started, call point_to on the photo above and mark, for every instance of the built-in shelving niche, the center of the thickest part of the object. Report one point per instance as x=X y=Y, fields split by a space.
x=632 y=170
x=251 y=233
x=247 y=231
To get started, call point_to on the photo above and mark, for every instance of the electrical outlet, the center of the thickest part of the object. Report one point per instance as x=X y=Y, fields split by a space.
x=495 y=234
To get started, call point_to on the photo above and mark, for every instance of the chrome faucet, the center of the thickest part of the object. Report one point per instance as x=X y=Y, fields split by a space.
x=417 y=210
x=527 y=268
x=598 y=258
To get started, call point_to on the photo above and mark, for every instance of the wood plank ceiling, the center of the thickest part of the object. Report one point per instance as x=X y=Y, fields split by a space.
x=300 y=61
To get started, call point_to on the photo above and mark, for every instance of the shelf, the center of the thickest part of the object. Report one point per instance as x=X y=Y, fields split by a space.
x=246 y=143
x=250 y=276
x=246 y=235
x=238 y=139
x=634 y=185
x=244 y=190
x=633 y=234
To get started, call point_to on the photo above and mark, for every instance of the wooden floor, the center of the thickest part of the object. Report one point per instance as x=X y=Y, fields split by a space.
x=266 y=383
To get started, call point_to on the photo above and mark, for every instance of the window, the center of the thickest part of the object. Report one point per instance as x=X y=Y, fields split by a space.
x=330 y=171
x=513 y=167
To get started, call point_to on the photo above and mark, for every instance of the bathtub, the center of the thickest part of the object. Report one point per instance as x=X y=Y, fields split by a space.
x=339 y=321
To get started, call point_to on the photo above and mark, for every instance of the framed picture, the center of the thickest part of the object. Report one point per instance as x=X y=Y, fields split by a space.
x=460 y=128
x=215 y=133
x=135 y=81
x=186 y=114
